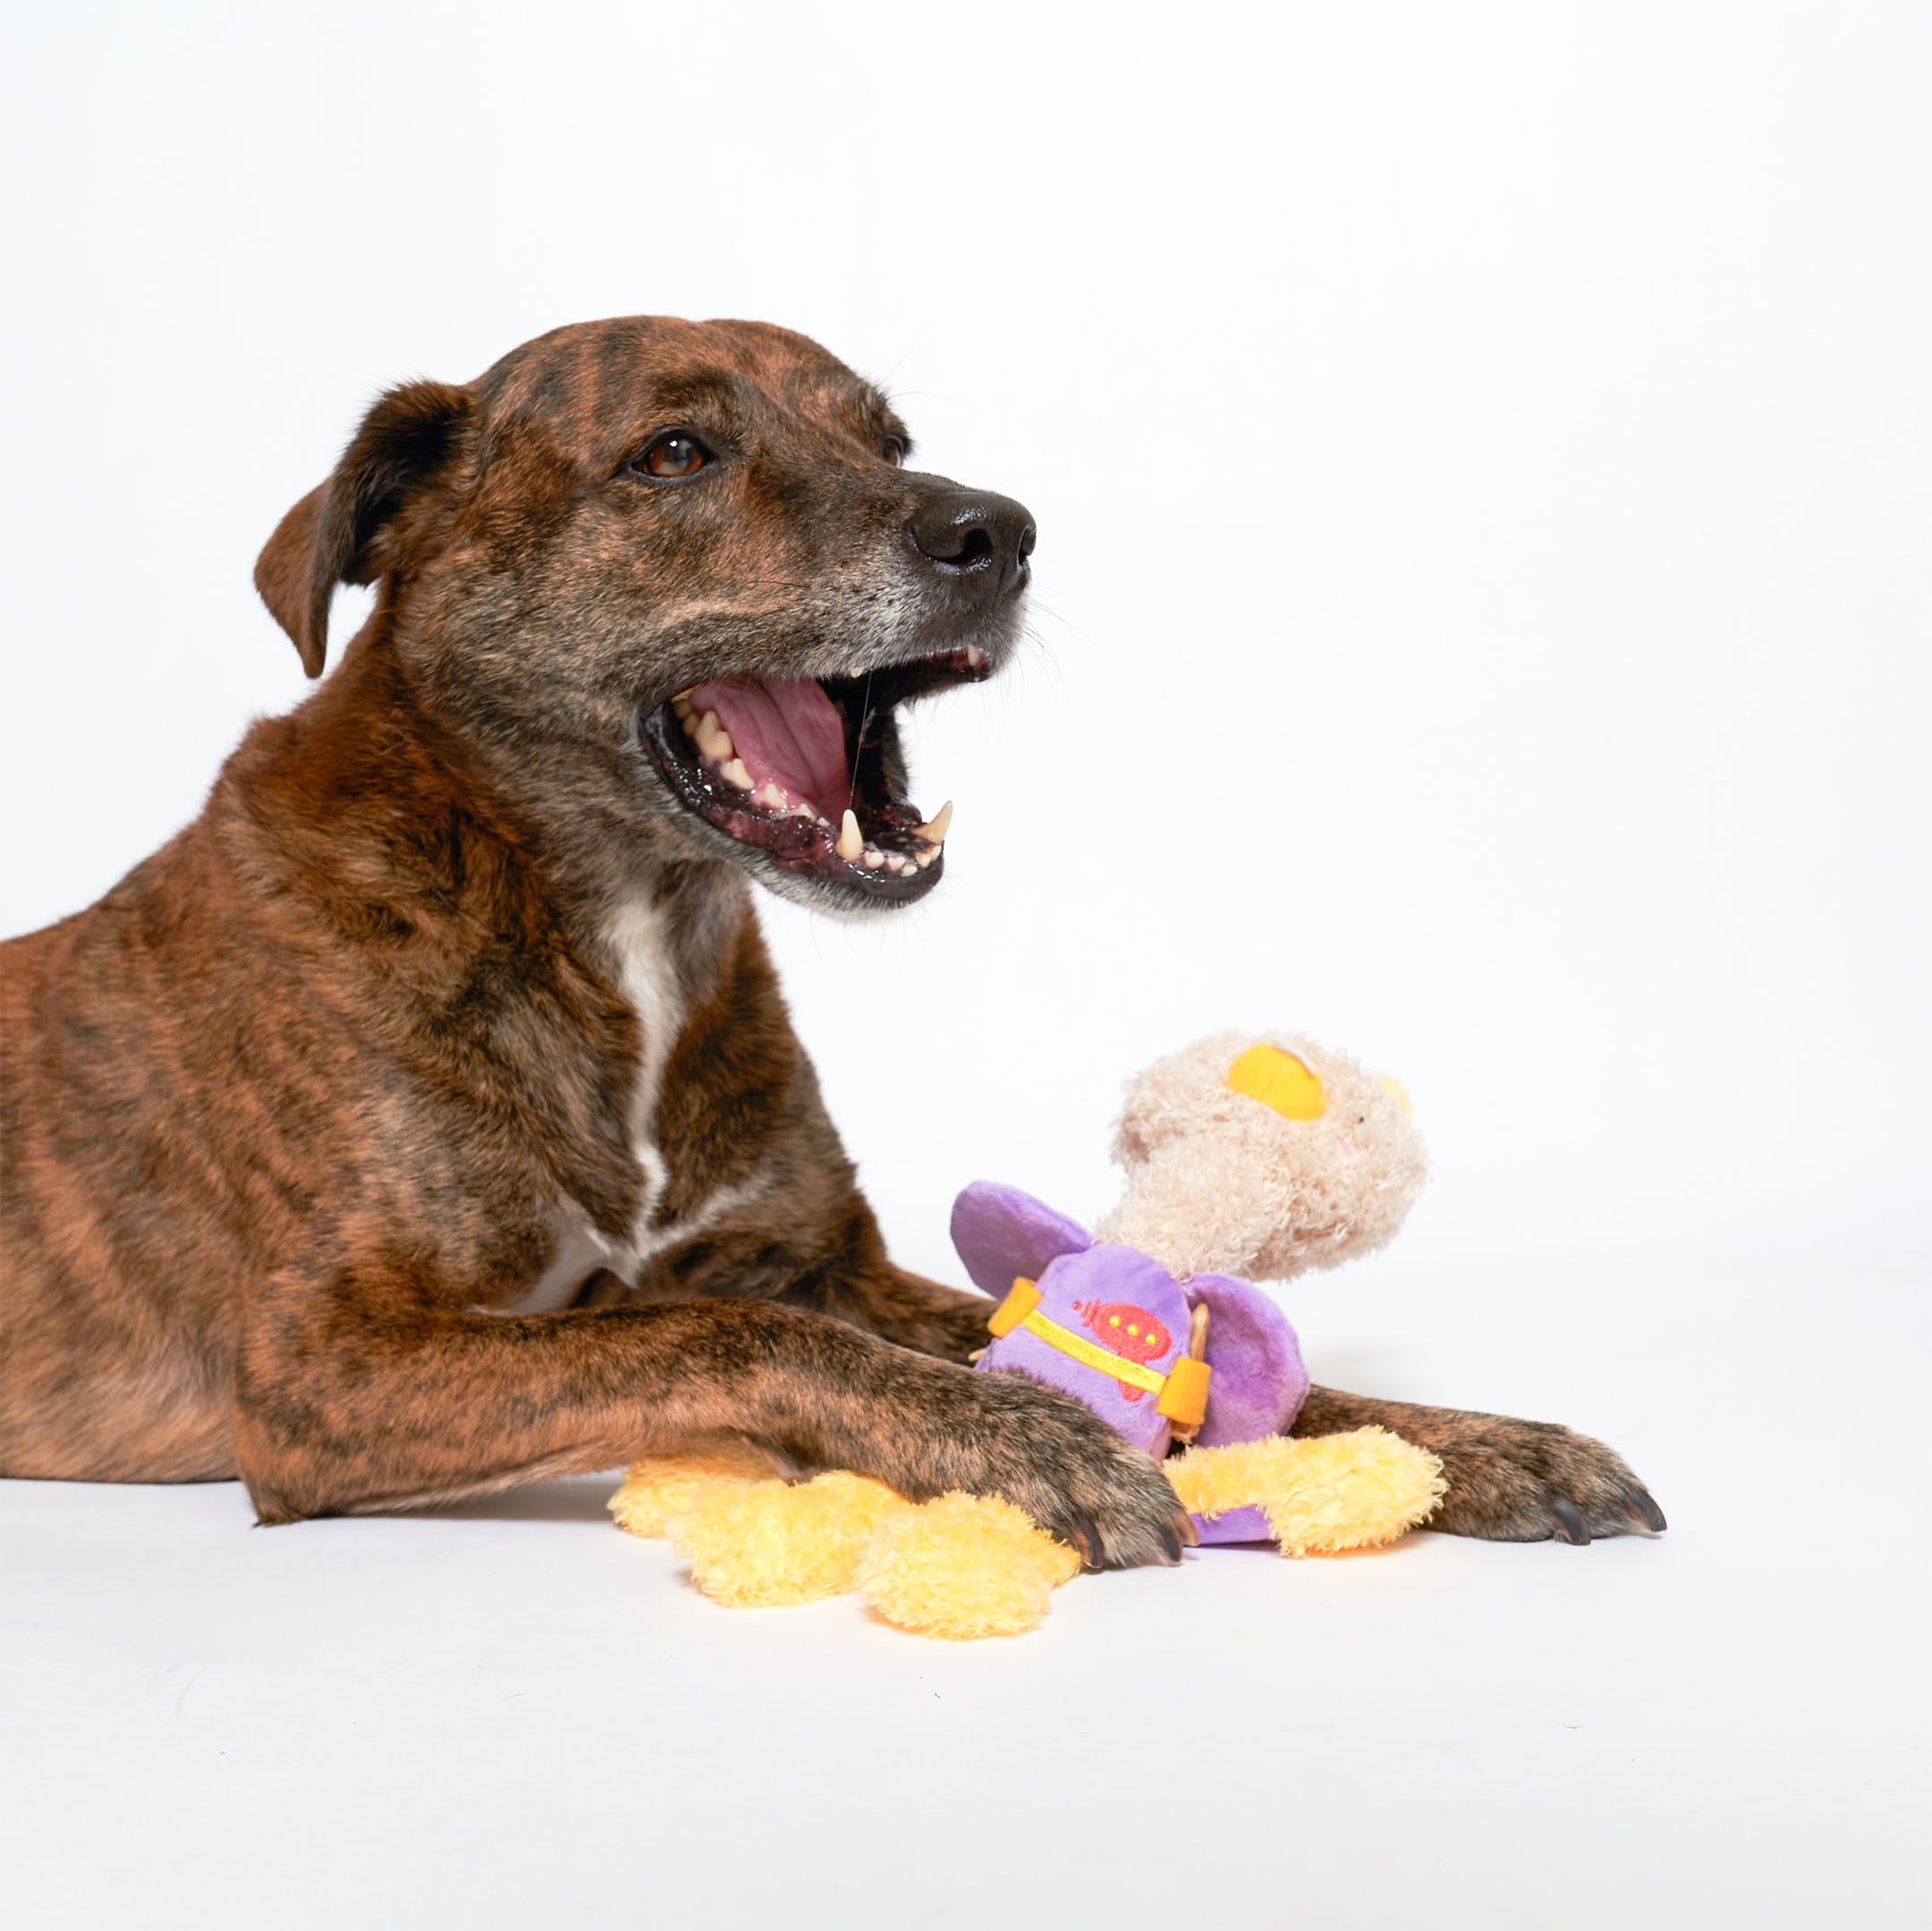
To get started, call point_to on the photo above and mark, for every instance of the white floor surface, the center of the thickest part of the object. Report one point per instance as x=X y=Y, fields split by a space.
x=510 y=1715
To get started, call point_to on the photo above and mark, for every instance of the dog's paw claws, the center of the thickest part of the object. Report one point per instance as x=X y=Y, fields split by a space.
x=1570 y=1526
x=1086 y=1538
x=1053 y=1457
x=1529 y=1481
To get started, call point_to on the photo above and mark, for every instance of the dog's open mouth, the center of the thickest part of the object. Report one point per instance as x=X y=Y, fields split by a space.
x=809 y=770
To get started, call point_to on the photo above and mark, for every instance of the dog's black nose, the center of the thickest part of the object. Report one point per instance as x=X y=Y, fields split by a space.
x=969 y=534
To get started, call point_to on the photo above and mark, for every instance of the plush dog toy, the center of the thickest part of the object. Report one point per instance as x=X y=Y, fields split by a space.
x=1245 y=1159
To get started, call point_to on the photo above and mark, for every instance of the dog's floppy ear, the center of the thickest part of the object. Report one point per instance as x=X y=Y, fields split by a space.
x=337 y=534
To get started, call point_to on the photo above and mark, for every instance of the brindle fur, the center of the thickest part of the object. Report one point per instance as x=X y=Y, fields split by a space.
x=293 y=1121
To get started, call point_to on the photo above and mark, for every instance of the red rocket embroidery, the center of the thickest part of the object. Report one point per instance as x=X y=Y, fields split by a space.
x=1128 y=1331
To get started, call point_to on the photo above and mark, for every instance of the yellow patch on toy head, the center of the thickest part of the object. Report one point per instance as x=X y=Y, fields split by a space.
x=1399 y=1093
x=1279 y=1079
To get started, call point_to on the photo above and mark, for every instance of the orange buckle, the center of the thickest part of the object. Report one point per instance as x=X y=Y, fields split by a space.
x=1184 y=1399
x=1021 y=1297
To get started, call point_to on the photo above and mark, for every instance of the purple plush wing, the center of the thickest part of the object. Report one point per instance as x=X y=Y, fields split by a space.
x=1001 y=1232
x=1260 y=1383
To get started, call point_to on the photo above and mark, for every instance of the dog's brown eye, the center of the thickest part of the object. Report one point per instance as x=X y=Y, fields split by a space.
x=671 y=456
x=894 y=450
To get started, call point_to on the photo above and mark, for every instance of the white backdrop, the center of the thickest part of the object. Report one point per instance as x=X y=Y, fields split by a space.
x=1482 y=618
x=1481 y=464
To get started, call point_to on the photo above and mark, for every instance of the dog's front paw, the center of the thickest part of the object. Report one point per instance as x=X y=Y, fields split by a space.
x=1533 y=1481
x=1508 y=1481
x=1007 y=1434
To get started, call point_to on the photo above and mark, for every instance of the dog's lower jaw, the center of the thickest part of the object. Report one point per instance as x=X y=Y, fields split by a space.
x=833 y=901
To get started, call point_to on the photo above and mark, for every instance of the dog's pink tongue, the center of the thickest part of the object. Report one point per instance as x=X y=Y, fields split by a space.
x=789 y=733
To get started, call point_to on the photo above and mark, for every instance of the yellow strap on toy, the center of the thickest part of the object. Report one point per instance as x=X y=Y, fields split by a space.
x=1182 y=1392
x=1091 y=1354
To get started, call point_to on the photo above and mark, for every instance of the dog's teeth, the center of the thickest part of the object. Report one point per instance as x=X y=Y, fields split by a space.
x=713 y=740
x=850 y=839
x=976 y=657
x=736 y=774
x=936 y=828
x=689 y=720
x=772 y=797
x=923 y=859
x=681 y=704
x=874 y=858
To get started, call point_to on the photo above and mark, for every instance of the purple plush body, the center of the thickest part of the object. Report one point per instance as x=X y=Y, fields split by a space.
x=1121 y=1300
x=1105 y=1284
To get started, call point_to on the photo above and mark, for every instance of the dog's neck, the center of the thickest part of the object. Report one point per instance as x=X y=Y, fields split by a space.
x=377 y=817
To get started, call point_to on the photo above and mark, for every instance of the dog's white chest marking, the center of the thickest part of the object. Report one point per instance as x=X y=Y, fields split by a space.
x=648 y=981
x=580 y=1252
x=649 y=984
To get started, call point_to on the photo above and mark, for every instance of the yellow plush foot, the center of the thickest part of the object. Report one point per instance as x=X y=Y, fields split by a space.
x=969 y=1566
x=963 y=1566
x=1322 y=1495
x=765 y=1545
x=660 y=1487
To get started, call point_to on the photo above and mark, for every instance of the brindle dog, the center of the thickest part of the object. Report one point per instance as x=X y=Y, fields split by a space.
x=425 y=1118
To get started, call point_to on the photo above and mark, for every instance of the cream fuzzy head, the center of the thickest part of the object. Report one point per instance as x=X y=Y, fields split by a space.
x=1259 y=1155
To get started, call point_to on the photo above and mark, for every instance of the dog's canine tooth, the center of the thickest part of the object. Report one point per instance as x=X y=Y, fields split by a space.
x=976 y=657
x=936 y=828
x=736 y=773
x=850 y=839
